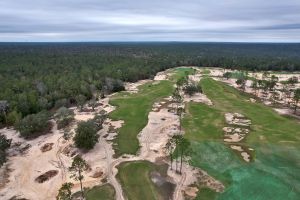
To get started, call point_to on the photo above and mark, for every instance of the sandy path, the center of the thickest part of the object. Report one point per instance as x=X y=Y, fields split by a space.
x=179 y=187
x=110 y=165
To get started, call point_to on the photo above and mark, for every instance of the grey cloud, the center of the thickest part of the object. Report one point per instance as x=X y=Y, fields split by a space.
x=161 y=20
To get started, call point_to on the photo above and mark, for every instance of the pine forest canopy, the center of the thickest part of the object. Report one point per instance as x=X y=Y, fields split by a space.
x=39 y=76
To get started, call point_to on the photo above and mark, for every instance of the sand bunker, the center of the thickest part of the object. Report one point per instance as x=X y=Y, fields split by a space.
x=237 y=119
x=236 y=134
x=199 y=98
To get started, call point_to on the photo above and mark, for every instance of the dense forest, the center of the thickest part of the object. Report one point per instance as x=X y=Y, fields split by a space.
x=38 y=77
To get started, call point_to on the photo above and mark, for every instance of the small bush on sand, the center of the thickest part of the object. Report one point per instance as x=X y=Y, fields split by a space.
x=34 y=125
x=64 y=117
x=191 y=89
x=86 y=135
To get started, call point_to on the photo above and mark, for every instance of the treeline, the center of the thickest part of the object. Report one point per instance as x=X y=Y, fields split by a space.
x=41 y=76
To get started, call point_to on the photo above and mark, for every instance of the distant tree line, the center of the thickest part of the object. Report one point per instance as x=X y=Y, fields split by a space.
x=35 y=77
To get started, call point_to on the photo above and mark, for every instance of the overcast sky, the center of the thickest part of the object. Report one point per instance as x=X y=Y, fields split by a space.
x=150 y=20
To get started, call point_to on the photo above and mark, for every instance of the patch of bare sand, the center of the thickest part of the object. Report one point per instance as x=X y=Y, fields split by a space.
x=191 y=192
x=217 y=72
x=233 y=134
x=195 y=78
x=237 y=119
x=161 y=127
x=191 y=176
x=199 y=98
x=287 y=111
x=160 y=76
x=27 y=161
x=244 y=154
x=26 y=168
x=134 y=87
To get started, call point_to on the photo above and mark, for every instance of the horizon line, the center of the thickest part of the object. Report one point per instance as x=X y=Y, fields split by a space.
x=145 y=41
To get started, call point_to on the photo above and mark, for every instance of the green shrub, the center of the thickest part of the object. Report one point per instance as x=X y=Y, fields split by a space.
x=191 y=89
x=64 y=117
x=13 y=118
x=86 y=135
x=34 y=125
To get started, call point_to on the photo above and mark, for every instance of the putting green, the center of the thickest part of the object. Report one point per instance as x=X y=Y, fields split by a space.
x=275 y=171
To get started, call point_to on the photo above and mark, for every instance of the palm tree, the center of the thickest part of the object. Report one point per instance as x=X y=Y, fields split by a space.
x=180 y=111
x=170 y=148
x=184 y=146
x=176 y=96
x=176 y=139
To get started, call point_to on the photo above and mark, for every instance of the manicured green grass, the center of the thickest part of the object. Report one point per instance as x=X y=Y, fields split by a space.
x=202 y=122
x=134 y=109
x=275 y=171
x=266 y=122
x=103 y=192
x=136 y=182
x=181 y=72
